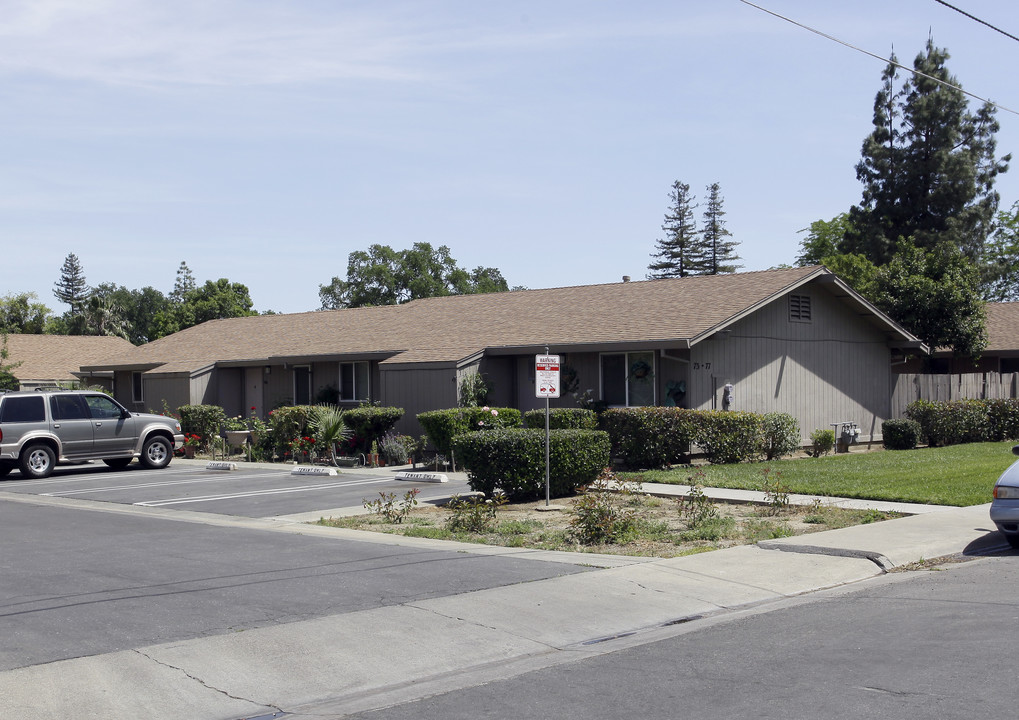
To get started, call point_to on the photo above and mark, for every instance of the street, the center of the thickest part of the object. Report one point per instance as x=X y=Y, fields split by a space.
x=929 y=644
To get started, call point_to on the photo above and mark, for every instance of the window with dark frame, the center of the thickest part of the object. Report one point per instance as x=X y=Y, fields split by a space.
x=136 y=387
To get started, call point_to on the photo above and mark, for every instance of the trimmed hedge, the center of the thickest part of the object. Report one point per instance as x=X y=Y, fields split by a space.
x=513 y=460
x=649 y=437
x=562 y=419
x=951 y=423
x=202 y=420
x=728 y=437
x=368 y=424
x=900 y=434
x=442 y=426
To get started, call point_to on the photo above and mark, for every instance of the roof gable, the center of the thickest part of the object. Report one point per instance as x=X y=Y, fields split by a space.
x=58 y=357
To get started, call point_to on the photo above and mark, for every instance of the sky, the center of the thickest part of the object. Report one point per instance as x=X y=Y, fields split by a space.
x=263 y=141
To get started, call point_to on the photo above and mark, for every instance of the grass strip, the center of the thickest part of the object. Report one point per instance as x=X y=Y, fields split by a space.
x=955 y=475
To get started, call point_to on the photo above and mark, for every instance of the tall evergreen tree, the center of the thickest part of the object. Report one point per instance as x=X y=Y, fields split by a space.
x=678 y=253
x=719 y=250
x=928 y=167
x=72 y=288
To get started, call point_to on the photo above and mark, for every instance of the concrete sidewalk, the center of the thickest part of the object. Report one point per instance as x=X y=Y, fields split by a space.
x=330 y=666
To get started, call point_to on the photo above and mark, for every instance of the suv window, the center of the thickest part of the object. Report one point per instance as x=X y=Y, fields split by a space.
x=102 y=407
x=22 y=409
x=67 y=407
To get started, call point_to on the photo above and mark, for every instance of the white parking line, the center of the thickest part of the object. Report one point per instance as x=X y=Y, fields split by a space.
x=136 y=486
x=259 y=493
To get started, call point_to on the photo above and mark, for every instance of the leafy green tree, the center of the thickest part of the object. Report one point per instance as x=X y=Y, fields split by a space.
x=381 y=275
x=216 y=301
x=678 y=253
x=719 y=252
x=933 y=294
x=20 y=313
x=103 y=314
x=823 y=240
x=928 y=167
x=1000 y=265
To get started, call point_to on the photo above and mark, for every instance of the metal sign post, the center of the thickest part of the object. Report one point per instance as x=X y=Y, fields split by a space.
x=546 y=385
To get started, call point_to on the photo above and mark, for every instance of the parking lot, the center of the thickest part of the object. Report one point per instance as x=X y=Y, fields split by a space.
x=249 y=491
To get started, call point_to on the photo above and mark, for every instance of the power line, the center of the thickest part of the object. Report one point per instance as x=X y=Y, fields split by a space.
x=878 y=57
x=976 y=19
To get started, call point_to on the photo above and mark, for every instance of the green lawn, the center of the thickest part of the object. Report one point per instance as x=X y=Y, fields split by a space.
x=955 y=475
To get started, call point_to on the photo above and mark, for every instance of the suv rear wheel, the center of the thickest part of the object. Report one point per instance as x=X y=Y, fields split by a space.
x=156 y=453
x=37 y=461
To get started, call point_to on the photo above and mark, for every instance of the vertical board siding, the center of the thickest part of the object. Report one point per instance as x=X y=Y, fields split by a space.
x=417 y=391
x=833 y=369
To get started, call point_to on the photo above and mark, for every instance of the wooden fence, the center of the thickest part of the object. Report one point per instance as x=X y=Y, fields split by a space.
x=908 y=387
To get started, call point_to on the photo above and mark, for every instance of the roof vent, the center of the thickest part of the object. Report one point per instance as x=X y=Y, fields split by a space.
x=626 y=278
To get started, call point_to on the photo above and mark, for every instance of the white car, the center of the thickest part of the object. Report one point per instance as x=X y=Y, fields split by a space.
x=1005 y=506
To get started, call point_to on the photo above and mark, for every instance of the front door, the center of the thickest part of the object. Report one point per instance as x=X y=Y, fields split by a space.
x=114 y=433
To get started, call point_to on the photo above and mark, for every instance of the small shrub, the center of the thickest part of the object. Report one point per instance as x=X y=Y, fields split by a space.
x=776 y=493
x=822 y=442
x=696 y=507
x=1002 y=419
x=474 y=390
x=369 y=423
x=396 y=449
x=780 y=435
x=387 y=506
x=597 y=516
x=513 y=460
x=900 y=434
x=728 y=437
x=202 y=420
x=472 y=514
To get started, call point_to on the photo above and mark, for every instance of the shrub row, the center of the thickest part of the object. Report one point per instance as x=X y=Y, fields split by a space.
x=512 y=461
x=562 y=419
x=901 y=434
x=655 y=437
x=442 y=426
x=965 y=421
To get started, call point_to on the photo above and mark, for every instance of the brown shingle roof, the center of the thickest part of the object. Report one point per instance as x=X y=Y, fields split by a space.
x=456 y=327
x=56 y=357
x=1002 y=326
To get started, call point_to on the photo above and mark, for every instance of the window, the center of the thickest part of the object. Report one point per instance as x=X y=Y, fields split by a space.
x=67 y=407
x=354 y=382
x=799 y=308
x=136 y=387
x=23 y=409
x=628 y=379
x=101 y=407
x=302 y=385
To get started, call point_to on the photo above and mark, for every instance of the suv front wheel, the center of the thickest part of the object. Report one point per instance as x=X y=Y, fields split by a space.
x=37 y=461
x=156 y=453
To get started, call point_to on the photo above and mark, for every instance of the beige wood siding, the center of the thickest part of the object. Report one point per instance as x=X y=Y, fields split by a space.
x=835 y=368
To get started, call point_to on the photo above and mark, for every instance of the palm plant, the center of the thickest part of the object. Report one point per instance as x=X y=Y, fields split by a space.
x=329 y=427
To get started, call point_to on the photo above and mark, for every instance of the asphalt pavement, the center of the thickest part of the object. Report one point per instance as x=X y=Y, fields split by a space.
x=348 y=662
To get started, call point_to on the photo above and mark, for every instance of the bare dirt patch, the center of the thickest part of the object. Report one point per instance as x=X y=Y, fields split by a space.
x=610 y=523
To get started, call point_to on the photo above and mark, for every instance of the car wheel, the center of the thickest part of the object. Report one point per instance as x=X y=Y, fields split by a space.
x=37 y=461
x=118 y=463
x=156 y=452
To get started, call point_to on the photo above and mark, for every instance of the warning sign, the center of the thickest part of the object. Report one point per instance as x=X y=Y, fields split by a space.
x=546 y=376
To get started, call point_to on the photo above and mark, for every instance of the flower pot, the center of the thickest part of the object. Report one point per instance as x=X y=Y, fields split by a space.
x=189 y=451
x=236 y=438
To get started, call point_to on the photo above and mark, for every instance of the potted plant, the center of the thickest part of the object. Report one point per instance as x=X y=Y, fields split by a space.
x=236 y=431
x=191 y=443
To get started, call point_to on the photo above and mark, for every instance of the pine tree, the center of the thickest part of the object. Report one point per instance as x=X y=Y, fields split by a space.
x=72 y=288
x=928 y=167
x=719 y=253
x=184 y=284
x=678 y=252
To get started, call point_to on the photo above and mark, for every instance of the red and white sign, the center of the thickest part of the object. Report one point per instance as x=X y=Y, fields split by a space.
x=546 y=376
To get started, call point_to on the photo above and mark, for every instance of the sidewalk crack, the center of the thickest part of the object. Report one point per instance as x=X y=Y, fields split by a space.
x=204 y=684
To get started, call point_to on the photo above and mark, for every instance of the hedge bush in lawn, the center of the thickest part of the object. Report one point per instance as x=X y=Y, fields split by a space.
x=512 y=461
x=562 y=419
x=369 y=423
x=442 y=426
x=649 y=437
